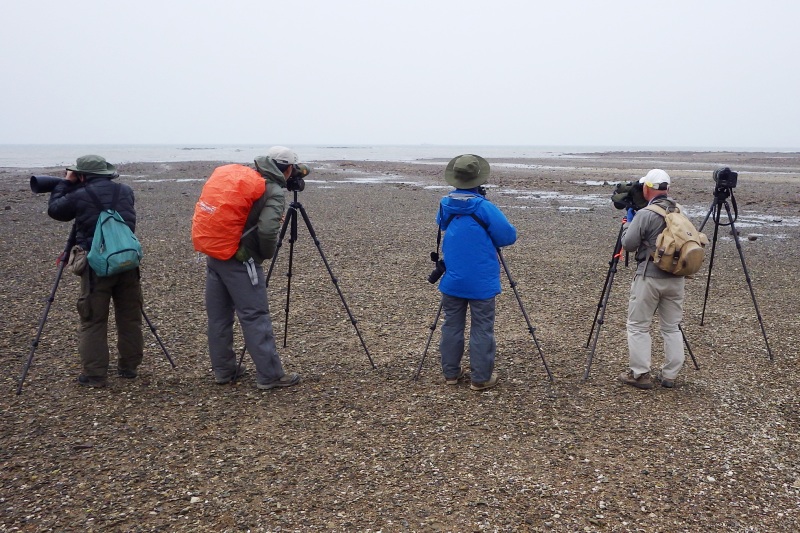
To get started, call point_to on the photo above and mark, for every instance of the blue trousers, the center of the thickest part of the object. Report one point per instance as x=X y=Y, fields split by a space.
x=482 y=346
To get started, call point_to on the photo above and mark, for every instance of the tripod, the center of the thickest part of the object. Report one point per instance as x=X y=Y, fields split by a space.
x=721 y=194
x=291 y=222
x=62 y=261
x=531 y=329
x=600 y=313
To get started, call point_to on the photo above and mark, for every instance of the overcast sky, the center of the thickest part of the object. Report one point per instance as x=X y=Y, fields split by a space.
x=612 y=73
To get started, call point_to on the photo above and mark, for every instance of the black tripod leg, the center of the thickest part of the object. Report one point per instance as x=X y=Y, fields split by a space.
x=62 y=262
x=291 y=217
x=333 y=278
x=711 y=261
x=531 y=329
x=747 y=278
x=281 y=235
x=430 y=336
x=708 y=214
x=601 y=319
x=155 y=333
x=689 y=348
x=612 y=268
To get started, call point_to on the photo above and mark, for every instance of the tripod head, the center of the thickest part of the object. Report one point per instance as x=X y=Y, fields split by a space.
x=725 y=181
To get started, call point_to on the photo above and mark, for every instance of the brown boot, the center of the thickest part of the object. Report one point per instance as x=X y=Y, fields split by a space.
x=642 y=382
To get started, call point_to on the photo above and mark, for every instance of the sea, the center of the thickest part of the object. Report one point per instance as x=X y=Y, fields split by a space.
x=55 y=155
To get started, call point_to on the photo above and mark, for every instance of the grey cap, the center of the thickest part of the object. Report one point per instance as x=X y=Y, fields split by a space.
x=281 y=154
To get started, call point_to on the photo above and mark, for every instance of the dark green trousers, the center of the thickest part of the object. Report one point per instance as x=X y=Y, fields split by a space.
x=93 y=305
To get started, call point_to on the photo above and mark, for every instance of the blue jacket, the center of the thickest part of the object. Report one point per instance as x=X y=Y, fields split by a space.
x=470 y=251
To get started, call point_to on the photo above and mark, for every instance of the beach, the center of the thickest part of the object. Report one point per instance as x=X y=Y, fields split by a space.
x=357 y=448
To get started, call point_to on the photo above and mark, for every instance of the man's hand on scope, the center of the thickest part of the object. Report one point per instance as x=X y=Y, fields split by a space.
x=630 y=214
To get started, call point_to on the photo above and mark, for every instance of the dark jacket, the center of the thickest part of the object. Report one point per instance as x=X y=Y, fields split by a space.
x=641 y=233
x=70 y=201
x=470 y=250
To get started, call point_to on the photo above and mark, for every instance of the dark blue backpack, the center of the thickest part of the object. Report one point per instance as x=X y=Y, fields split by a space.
x=115 y=249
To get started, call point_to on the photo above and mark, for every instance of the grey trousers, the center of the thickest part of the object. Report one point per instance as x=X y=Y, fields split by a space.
x=229 y=289
x=95 y=297
x=649 y=294
x=482 y=346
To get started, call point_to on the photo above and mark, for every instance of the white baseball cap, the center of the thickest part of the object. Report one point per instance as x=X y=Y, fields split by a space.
x=656 y=179
x=284 y=155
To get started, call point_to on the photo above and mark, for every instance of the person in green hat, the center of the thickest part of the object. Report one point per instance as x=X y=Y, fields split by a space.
x=474 y=230
x=87 y=184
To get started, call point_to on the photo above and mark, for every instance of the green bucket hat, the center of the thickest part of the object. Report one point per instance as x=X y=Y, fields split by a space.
x=93 y=164
x=467 y=171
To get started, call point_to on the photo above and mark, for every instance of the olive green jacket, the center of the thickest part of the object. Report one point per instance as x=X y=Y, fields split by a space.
x=266 y=215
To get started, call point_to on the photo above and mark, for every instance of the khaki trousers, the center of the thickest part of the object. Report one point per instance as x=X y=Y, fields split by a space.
x=648 y=295
x=93 y=303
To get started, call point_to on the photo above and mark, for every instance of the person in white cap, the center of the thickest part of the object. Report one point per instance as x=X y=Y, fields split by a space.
x=652 y=290
x=238 y=284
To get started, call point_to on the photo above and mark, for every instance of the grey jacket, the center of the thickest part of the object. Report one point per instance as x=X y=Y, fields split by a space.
x=641 y=233
x=266 y=214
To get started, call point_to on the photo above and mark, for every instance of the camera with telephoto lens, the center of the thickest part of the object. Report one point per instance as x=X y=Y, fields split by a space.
x=438 y=269
x=295 y=182
x=629 y=195
x=43 y=184
x=725 y=178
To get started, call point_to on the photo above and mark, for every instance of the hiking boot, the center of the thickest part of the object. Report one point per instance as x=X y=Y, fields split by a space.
x=455 y=380
x=89 y=381
x=666 y=382
x=642 y=382
x=287 y=380
x=126 y=374
x=485 y=384
x=240 y=373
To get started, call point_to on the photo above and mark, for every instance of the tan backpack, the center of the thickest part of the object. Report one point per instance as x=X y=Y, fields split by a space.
x=680 y=248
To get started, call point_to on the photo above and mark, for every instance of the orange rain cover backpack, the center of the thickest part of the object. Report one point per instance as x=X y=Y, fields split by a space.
x=221 y=212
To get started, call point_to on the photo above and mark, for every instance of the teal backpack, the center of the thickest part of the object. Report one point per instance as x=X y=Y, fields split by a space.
x=115 y=249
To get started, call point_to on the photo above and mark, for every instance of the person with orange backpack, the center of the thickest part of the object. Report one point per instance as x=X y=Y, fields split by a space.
x=236 y=224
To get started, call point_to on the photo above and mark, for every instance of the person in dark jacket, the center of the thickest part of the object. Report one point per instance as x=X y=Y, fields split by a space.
x=70 y=200
x=238 y=284
x=474 y=229
x=652 y=289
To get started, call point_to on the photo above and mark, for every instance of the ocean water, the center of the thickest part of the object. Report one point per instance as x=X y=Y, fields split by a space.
x=40 y=156
x=33 y=156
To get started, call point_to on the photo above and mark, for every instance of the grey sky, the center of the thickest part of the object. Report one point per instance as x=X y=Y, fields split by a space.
x=625 y=73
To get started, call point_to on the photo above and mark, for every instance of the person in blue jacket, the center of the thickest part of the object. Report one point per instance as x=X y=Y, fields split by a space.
x=474 y=230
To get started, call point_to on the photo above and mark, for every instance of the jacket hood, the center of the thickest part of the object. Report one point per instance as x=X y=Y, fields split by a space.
x=267 y=168
x=461 y=202
x=664 y=201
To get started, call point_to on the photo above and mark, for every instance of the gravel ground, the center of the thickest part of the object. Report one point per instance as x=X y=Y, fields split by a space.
x=360 y=449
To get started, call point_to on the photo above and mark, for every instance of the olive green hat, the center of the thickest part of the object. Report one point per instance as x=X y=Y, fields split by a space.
x=93 y=164
x=467 y=171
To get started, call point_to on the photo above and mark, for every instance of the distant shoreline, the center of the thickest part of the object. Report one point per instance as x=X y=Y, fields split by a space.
x=54 y=156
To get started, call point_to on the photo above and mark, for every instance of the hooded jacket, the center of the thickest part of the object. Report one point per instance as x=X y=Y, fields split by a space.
x=470 y=250
x=266 y=214
x=71 y=201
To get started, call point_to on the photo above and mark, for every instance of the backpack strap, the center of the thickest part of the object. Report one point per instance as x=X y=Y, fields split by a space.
x=475 y=217
x=97 y=201
x=446 y=223
x=663 y=212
